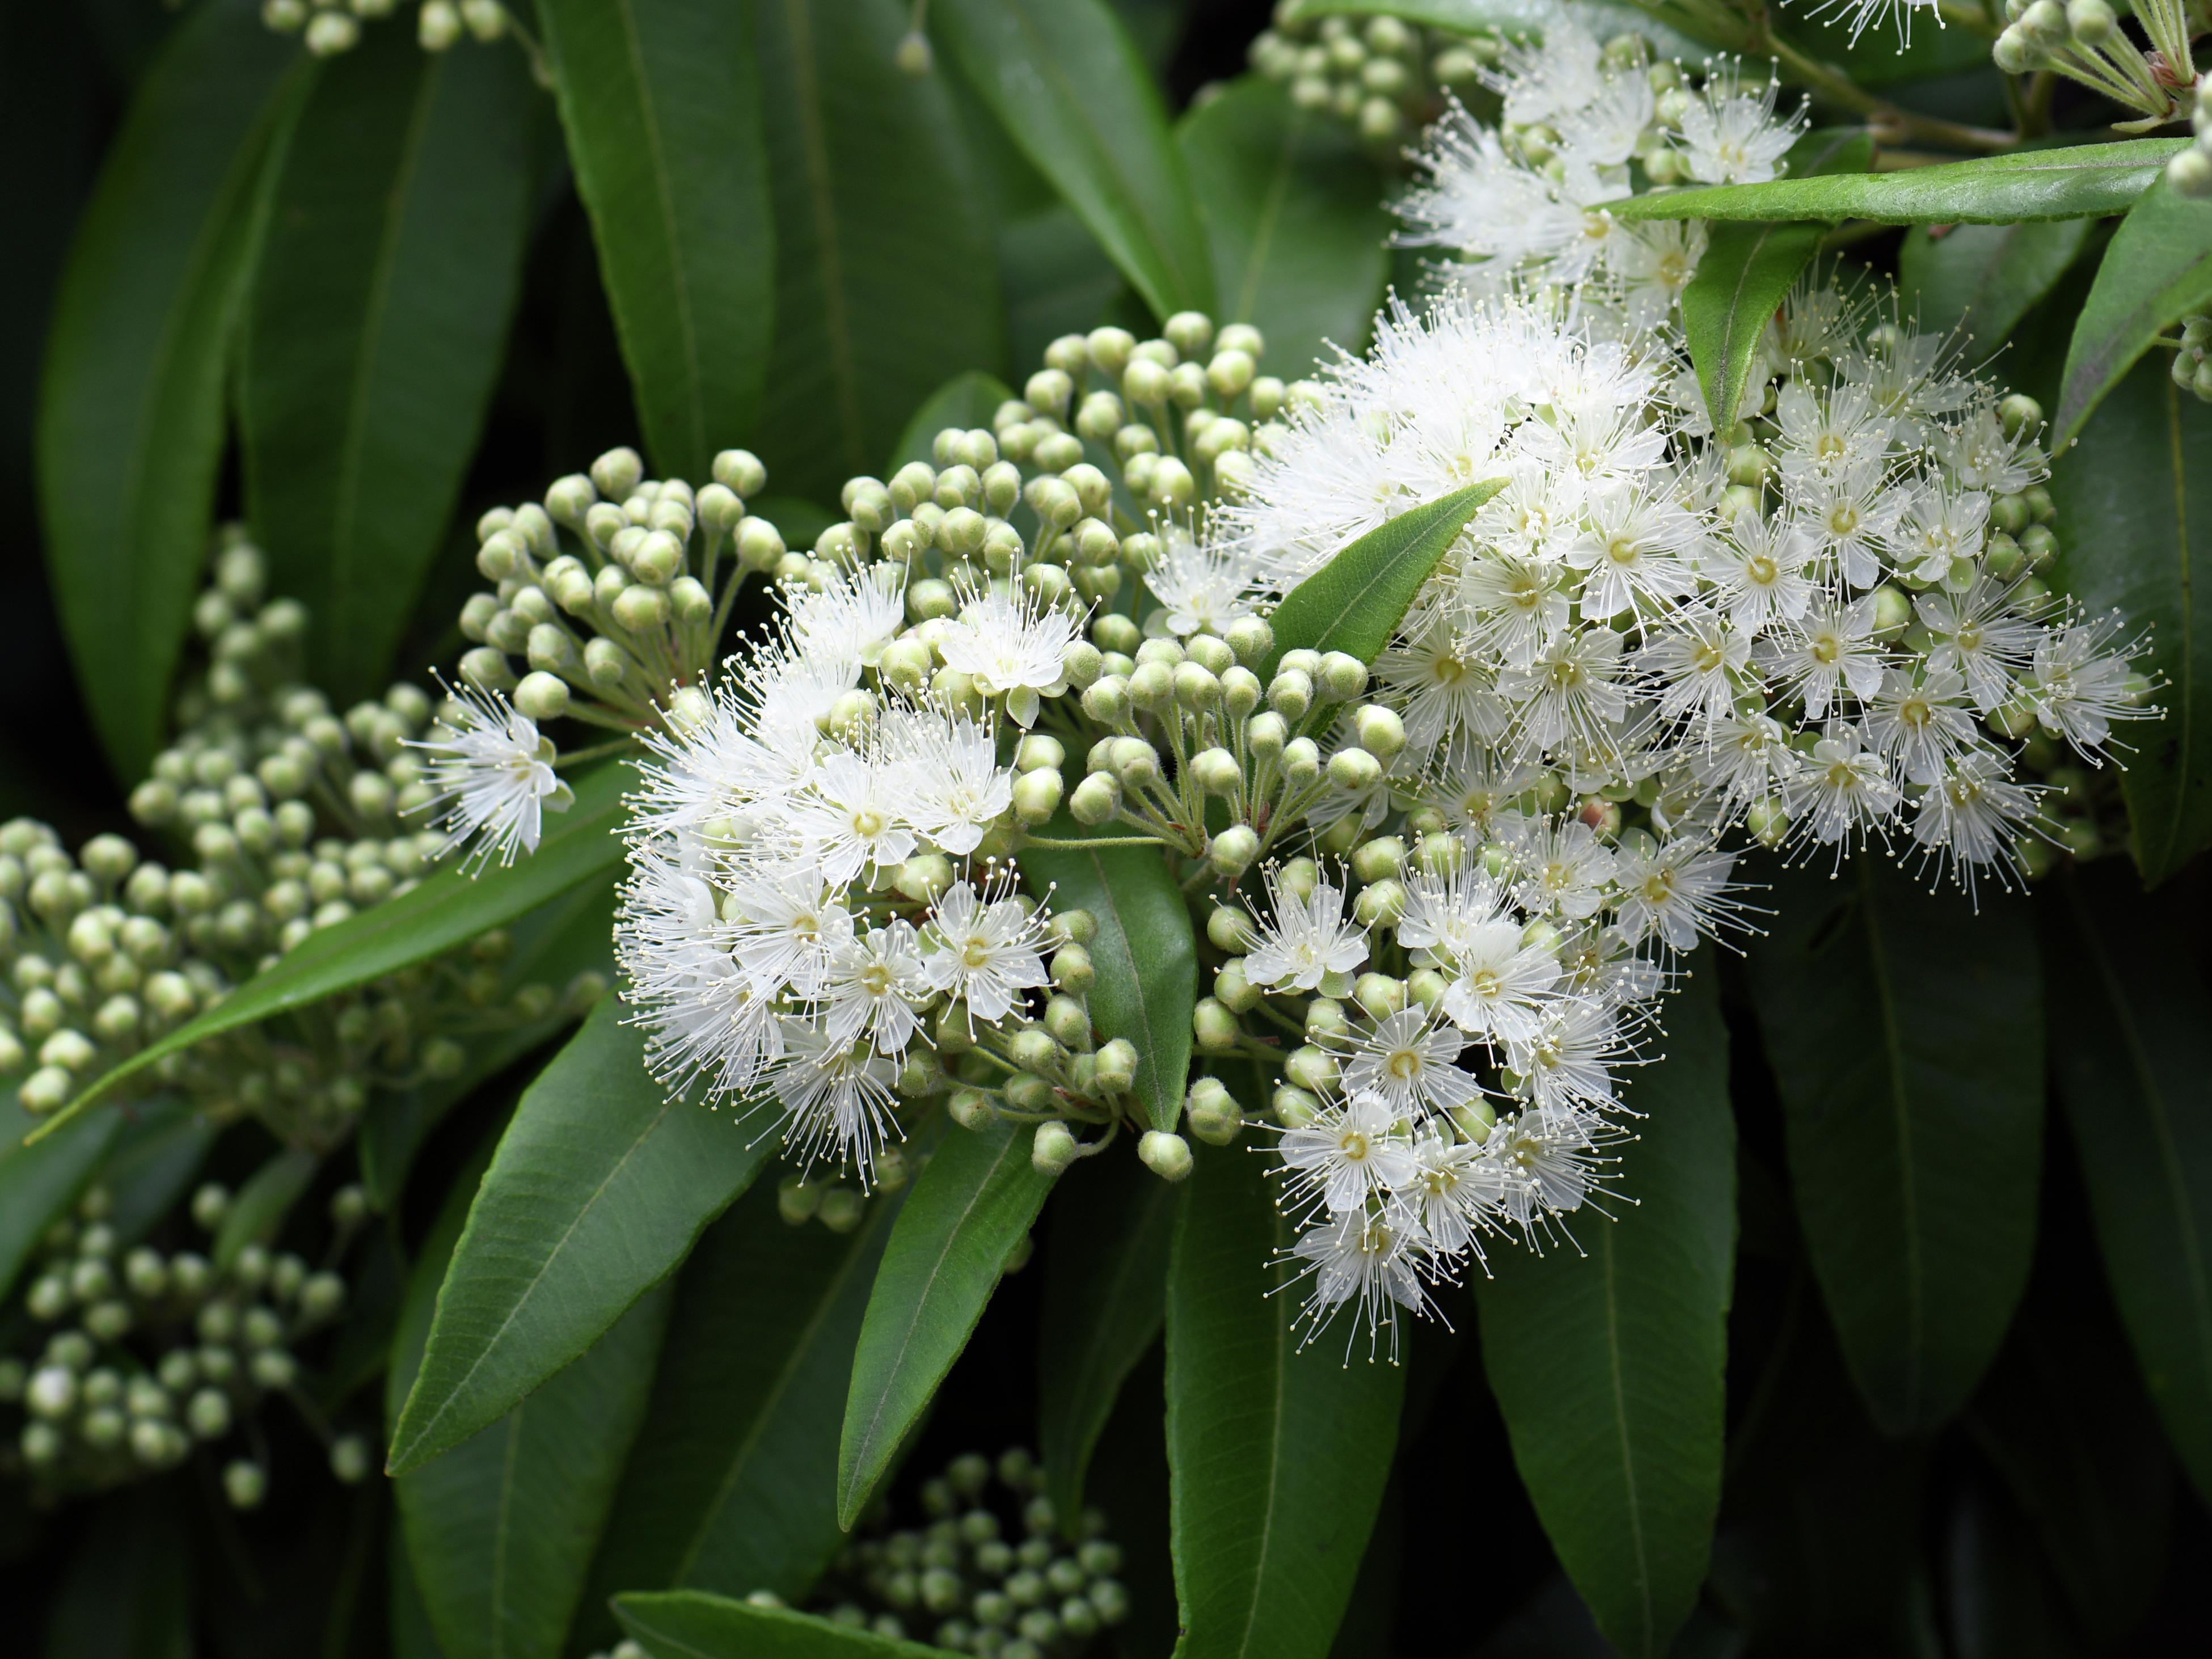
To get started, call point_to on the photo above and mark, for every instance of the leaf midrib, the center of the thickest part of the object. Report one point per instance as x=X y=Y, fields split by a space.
x=1148 y=1053
x=1611 y=1279
x=1269 y=219
x=2187 y=670
x=813 y=143
x=1901 y=1106
x=1279 y=1330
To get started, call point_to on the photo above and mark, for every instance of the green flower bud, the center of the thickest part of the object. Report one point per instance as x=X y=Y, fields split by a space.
x=1053 y=1148
x=1037 y=796
x=843 y=1209
x=970 y=1108
x=1096 y=799
x=1217 y=772
x=1231 y=852
x=1353 y=771
x=1117 y=1066
x=244 y=1484
x=1301 y=761
x=1166 y=1154
x=1341 y=677
x=1381 y=733
x=1311 y=1068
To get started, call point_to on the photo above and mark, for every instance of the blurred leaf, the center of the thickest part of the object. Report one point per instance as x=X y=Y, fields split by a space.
x=1106 y=1271
x=1877 y=57
x=1607 y=1358
x=161 y=1145
x=972 y=1204
x=374 y=329
x=446 y=910
x=411 y=1635
x=38 y=1182
x=601 y=1185
x=661 y=101
x=1298 y=228
x=2133 y=1065
x=130 y=415
x=2157 y=270
x=1906 y=1031
x=1057 y=281
x=2134 y=496
x=968 y=400
x=885 y=282
x=1280 y=1454
x=1145 y=955
x=127 y=1593
x=1983 y=279
x=686 y=1624
x=500 y=1530
x=1747 y=272
x=258 y=1209
x=733 y=1485
x=1069 y=87
x=2084 y=182
x=1355 y=602
x=1999 y=1599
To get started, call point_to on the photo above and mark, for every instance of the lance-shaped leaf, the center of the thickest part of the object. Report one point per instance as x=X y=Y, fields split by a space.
x=1983 y=279
x=1106 y=1268
x=446 y=910
x=1299 y=237
x=499 y=1529
x=38 y=1182
x=127 y=1592
x=2133 y=497
x=2157 y=270
x=1066 y=83
x=1277 y=1456
x=970 y=1206
x=1906 y=1031
x=661 y=102
x=602 y=1183
x=375 y=330
x=2134 y=1074
x=256 y=1214
x=1747 y=272
x=131 y=410
x=686 y=1624
x=1146 y=954
x=1356 y=601
x=733 y=1485
x=1607 y=1354
x=968 y=400
x=2081 y=183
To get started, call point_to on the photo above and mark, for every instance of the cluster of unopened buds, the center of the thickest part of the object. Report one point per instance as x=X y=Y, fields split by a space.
x=330 y=27
x=2190 y=172
x=2083 y=40
x=135 y=1355
x=1380 y=74
x=2192 y=358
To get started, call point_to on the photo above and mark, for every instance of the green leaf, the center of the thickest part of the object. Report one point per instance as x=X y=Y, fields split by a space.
x=2157 y=270
x=661 y=102
x=971 y=1205
x=128 y=1591
x=1906 y=1031
x=1877 y=58
x=1519 y=19
x=2081 y=183
x=2133 y=1066
x=1298 y=231
x=1356 y=601
x=733 y=1485
x=886 y=279
x=1067 y=85
x=130 y=410
x=1057 y=281
x=448 y=910
x=1279 y=1455
x=686 y=1624
x=500 y=1530
x=1106 y=1268
x=374 y=330
x=160 y=1148
x=1607 y=1357
x=1146 y=954
x=1747 y=272
x=259 y=1209
x=601 y=1185
x=968 y=400
x=38 y=1182
x=2134 y=496
x=1983 y=279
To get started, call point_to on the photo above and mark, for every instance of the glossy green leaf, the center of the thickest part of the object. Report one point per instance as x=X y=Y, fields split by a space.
x=885 y=280
x=130 y=414
x=733 y=1485
x=661 y=101
x=2157 y=269
x=162 y=1143
x=2133 y=1065
x=1065 y=82
x=601 y=1185
x=2084 y=182
x=1983 y=279
x=374 y=330
x=1608 y=1354
x=38 y=1182
x=1106 y=1268
x=1298 y=231
x=968 y=400
x=1906 y=1031
x=127 y=1593
x=1277 y=1453
x=1356 y=601
x=446 y=910
x=970 y=1206
x=1746 y=271
x=2134 y=496
x=1057 y=281
x=686 y=1624
x=258 y=1209
x=499 y=1529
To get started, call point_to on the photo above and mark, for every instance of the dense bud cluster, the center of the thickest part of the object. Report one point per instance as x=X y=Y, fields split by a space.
x=1382 y=75
x=133 y=1356
x=2190 y=173
x=330 y=27
x=2083 y=40
x=2192 y=360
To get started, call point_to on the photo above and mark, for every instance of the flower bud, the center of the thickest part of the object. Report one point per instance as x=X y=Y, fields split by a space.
x=1053 y=1148
x=1071 y=969
x=1117 y=1066
x=1301 y=761
x=1233 y=991
x=1311 y=1068
x=1230 y=930
x=1381 y=904
x=1167 y=1156
x=1217 y=772
x=1354 y=770
x=1231 y=852
x=1096 y=799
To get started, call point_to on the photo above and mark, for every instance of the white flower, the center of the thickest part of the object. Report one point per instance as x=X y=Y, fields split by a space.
x=2079 y=686
x=1206 y=588
x=1439 y=692
x=493 y=774
x=1568 y=1061
x=853 y=618
x=1547 y=1162
x=1349 y=1152
x=874 y=981
x=1305 y=940
x=1731 y=137
x=1935 y=527
x=1411 y=1064
x=836 y=1098
x=1983 y=634
x=1571 y=692
x=1843 y=789
x=1973 y=815
x=1675 y=891
x=1453 y=1192
x=1699 y=663
x=1861 y=13
x=1364 y=1260
x=1012 y=644
x=1631 y=550
x=983 y=950
x=1564 y=869
x=1760 y=568
x=951 y=784
x=852 y=817
x=787 y=925
x=1921 y=720
x=1832 y=651
x=1501 y=988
